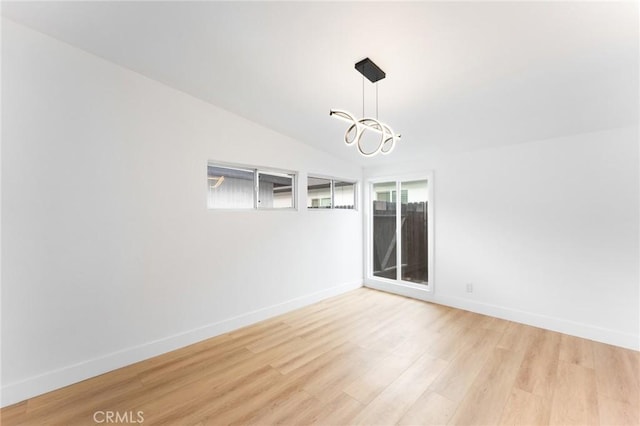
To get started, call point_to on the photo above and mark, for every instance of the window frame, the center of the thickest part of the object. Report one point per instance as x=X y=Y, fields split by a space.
x=279 y=173
x=333 y=180
x=256 y=170
x=309 y=176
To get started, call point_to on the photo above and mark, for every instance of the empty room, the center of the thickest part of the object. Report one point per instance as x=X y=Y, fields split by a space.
x=320 y=213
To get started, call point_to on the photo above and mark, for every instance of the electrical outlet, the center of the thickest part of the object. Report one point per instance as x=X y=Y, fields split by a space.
x=469 y=287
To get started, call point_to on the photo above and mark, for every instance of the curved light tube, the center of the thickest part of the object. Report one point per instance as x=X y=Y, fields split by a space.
x=357 y=128
x=218 y=179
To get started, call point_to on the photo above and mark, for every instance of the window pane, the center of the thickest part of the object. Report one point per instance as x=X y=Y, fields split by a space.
x=318 y=193
x=344 y=195
x=384 y=231
x=414 y=231
x=230 y=188
x=275 y=191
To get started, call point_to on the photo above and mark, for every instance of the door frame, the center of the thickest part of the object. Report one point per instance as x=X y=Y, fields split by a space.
x=405 y=288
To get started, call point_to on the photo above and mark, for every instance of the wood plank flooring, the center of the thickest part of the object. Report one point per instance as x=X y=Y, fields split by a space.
x=363 y=358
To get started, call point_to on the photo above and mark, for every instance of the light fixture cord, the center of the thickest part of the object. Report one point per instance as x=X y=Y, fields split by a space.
x=376 y=100
x=363 y=97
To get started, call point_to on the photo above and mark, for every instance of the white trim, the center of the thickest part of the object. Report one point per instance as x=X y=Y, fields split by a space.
x=261 y=209
x=415 y=291
x=37 y=385
x=249 y=168
x=399 y=231
x=389 y=285
x=561 y=325
x=332 y=177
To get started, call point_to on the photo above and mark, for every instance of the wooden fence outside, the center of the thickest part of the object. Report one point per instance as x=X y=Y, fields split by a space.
x=414 y=241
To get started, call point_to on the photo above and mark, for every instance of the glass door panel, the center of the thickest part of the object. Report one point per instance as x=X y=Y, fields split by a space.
x=384 y=230
x=413 y=224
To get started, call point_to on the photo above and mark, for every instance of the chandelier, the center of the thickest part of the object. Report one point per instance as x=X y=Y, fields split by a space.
x=358 y=127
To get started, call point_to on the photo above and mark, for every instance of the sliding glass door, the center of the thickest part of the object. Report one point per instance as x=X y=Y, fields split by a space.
x=399 y=231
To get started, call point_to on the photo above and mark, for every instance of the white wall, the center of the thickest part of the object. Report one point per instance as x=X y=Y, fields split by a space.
x=109 y=252
x=546 y=231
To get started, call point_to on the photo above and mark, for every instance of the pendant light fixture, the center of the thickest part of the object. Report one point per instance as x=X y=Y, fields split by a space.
x=358 y=127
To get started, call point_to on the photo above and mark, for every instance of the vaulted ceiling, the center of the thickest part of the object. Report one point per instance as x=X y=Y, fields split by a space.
x=460 y=76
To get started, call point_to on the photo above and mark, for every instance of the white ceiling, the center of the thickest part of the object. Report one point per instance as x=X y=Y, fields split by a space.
x=459 y=75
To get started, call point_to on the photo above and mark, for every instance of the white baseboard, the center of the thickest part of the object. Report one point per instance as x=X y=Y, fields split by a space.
x=52 y=380
x=402 y=290
x=561 y=325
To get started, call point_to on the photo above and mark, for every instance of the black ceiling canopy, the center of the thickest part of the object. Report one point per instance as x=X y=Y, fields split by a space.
x=370 y=70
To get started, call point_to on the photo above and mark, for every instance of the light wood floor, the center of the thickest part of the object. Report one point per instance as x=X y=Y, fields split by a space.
x=365 y=357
